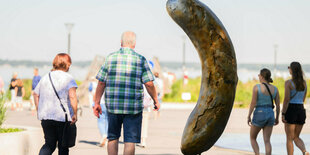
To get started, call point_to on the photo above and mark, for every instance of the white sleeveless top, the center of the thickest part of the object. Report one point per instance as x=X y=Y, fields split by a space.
x=49 y=106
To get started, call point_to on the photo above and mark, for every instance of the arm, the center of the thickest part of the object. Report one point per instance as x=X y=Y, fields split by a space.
x=253 y=104
x=277 y=108
x=23 y=92
x=36 y=100
x=99 y=91
x=16 y=90
x=286 y=101
x=73 y=101
x=98 y=94
x=151 y=90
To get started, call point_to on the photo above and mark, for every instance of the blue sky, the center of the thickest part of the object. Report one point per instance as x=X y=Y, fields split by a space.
x=34 y=29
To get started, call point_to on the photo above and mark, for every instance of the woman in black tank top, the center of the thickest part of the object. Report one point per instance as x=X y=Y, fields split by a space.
x=294 y=115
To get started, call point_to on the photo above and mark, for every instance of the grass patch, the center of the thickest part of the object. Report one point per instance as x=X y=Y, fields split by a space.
x=243 y=93
x=177 y=89
x=3 y=116
x=9 y=130
x=2 y=109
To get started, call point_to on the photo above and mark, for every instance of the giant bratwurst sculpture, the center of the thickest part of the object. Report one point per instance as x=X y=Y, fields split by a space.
x=207 y=121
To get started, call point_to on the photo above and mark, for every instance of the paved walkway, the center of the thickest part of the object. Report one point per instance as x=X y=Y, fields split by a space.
x=164 y=133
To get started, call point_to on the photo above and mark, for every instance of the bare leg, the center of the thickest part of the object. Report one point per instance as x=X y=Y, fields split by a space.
x=299 y=143
x=253 y=135
x=267 y=130
x=289 y=130
x=129 y=149
x=113 y=147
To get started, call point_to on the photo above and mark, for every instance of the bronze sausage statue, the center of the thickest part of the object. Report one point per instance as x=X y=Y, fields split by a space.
x=207 y=121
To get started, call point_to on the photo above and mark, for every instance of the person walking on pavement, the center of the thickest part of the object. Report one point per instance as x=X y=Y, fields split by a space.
x=293 y=111
x=147 y=103
x=35 y=80
x=264 y=118
x=159 y=85
x=121 y=78
x=20 y=93
x=1 y=86
x=103 y=124
x=55 y=92
x=12 y=89
x=102 y=120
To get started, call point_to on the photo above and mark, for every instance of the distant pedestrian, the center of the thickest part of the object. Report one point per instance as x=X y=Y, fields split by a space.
x=1 y=86
x=103 y=123
x=50 y=108
x=92 y=90
x=102 y=120
x=20 y=93
x=293 y=112
x=121 y=78
x=159 y=85
x=263 y=117
x=35 y=80
x=12 y=90
x=147 y=104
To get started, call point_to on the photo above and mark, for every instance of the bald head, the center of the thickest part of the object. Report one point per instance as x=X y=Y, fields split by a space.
x=128 y=39
x=15 y=75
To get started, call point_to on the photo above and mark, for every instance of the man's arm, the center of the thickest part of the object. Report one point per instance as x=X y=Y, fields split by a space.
x=151 y=90
x=98 y=94
x=99 y=91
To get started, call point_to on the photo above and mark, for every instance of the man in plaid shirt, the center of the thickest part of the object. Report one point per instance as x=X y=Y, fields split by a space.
x=121 y=78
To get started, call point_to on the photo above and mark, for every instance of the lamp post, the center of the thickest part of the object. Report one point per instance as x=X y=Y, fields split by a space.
x=184 y=40
x=69 y=27
x=185 y=73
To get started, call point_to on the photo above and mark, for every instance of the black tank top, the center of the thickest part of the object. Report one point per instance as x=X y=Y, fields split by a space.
x=19 y=91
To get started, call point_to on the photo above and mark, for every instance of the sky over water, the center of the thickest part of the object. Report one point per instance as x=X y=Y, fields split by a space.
x=34 y=29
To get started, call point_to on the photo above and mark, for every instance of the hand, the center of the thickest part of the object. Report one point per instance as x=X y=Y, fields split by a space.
x=283 y=119
x=249 y=121
x=276 y=122
x=97 y=110
x=156 y=106
x=74 y=119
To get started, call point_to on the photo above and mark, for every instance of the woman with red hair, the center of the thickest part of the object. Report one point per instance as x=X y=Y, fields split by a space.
x=55 y=98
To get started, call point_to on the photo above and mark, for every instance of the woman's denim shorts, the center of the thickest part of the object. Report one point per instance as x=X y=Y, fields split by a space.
x=263 y=116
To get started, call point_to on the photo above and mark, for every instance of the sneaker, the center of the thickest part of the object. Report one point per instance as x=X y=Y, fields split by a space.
x=103 y=142
x=143 y=145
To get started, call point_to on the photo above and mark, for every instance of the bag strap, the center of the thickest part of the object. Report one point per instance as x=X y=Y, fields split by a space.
x=291 y=97
x=63 y=108
x=269 y=93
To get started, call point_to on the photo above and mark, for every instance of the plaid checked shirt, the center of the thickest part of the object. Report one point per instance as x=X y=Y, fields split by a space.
x=124 y=73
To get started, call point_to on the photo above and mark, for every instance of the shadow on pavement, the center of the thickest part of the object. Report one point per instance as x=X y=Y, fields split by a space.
x=89 y=142
x=94 y=143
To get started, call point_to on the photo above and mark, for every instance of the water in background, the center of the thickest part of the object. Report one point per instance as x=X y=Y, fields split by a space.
x=246 y=72
x=24 y=72
x=79 y=70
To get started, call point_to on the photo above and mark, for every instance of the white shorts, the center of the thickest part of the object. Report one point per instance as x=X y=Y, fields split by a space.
x=19 y=99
